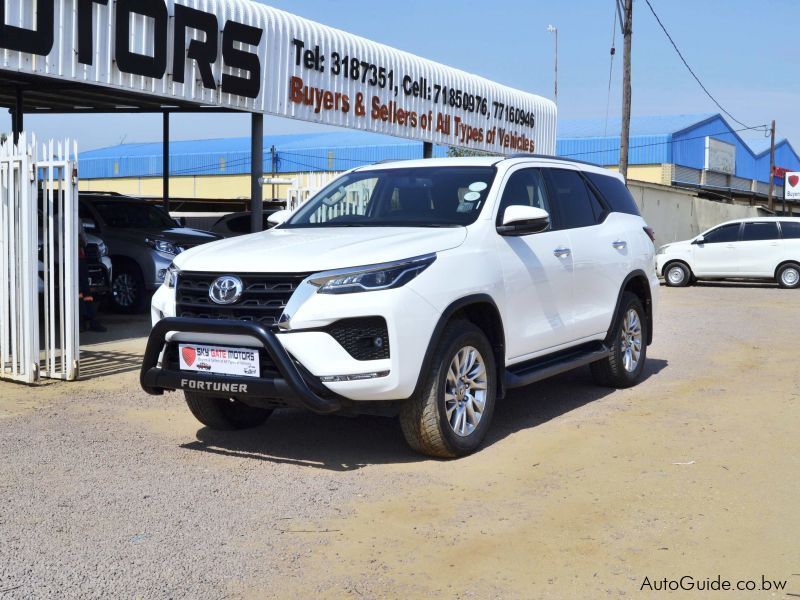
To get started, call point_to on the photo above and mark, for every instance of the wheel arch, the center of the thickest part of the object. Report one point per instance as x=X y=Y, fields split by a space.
x=482 y=311
x=783 y=263
x=638 y=284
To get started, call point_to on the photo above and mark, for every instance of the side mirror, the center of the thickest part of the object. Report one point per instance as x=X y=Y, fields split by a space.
x=524 y=220
x=89 y=225
x=278 y=217
x=699 y=240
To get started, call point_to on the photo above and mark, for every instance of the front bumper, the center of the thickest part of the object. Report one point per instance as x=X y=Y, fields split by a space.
x=291 y=386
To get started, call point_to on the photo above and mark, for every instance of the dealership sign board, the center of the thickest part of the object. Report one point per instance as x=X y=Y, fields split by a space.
x=243 y=55
x=720 y=156
x=791 y=186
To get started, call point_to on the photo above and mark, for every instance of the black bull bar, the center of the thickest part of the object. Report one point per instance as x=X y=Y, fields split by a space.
x=291 y=387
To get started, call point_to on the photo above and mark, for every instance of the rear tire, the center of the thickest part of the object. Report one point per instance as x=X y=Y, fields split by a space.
x=677 y=275
x=788 y=276
x=452 y=411
x=225 y=414
x=624 y=366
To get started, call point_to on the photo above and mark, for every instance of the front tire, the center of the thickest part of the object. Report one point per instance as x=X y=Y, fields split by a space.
x=677 y=275
x=624 y=366
x=788 y=276
x=225 y=414
x=451 y=413
x=128 y=295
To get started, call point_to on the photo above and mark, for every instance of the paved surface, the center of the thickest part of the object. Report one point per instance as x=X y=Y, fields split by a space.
x=580 y=492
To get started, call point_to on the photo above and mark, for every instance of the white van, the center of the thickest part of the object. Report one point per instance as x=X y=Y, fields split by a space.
x=760 y=248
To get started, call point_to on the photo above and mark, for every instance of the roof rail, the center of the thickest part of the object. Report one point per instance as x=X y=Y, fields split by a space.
x=551 y=157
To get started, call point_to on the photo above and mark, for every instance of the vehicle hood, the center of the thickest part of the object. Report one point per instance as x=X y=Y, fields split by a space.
x=676 y=246
x=318 y=249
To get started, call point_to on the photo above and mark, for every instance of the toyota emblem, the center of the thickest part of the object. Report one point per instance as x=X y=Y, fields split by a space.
x=226 y=289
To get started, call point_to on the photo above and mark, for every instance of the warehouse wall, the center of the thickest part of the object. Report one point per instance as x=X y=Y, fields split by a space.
x=200 y=186
x=679 y=214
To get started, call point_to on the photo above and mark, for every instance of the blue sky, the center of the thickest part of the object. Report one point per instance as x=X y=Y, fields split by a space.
x=744 y=51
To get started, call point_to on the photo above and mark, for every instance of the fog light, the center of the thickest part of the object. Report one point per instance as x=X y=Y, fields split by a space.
x=161 y=274
x=356 y=377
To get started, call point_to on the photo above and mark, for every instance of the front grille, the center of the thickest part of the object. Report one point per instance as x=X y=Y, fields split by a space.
x=263 y=299
x=364 y=338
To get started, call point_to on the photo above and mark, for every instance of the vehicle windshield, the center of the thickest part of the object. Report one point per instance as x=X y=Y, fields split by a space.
x=412 y=197
x=130 y=215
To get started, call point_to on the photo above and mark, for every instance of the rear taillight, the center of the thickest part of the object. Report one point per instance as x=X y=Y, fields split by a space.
x=650 y=233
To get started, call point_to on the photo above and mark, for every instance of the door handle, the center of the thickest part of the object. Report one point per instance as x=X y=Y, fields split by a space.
x=561 y=252
x=619 y=244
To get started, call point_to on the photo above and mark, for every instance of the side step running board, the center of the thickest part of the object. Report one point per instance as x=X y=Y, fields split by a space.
x=526 y=374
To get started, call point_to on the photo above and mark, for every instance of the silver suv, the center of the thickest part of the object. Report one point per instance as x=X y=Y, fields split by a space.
x=142 y=241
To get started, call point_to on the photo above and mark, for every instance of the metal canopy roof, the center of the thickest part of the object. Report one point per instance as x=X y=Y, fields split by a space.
x=45 y=95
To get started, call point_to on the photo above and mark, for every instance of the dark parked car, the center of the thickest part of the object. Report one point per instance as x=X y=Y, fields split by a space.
x=239 y=223
x=142 y=240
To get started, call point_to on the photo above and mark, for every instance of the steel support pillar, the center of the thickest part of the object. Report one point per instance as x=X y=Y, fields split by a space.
x=165 y=162
x=256 y=172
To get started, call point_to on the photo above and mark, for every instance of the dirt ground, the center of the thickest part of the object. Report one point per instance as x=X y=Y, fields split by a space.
x=579 y=492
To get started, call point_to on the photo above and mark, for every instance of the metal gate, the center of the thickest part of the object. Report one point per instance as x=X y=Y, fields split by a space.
x=39 y=310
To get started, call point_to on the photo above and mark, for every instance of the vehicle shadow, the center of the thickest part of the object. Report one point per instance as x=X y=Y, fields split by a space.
x=345 y=444
x=737 y=284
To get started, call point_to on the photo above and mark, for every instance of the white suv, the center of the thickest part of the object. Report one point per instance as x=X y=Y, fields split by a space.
x=762 y=248
x=423 y=289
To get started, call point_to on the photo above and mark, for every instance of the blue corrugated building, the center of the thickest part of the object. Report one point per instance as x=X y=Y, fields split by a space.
x=702 y=151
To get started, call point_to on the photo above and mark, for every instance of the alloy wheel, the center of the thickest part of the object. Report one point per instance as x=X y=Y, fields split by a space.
x=631 y=340
x=465 y=391
x=124 y=288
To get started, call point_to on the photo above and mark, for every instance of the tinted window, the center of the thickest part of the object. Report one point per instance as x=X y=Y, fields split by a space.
x=790 y=230
x=400 y=197
x=726 y=233
x=615 y=193
x=524 y=188
x=133 y=216
x=572 y=198
x=754 y=232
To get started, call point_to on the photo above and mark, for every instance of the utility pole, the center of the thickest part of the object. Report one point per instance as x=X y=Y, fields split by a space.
x=770 y=199
x=625 y=13
x=553 y=29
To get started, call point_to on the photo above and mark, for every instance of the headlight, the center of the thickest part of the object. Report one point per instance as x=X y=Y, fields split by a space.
x=171 y=278
x=102 y=249
x=662 y=250
x=165 y=246
x=372 y=278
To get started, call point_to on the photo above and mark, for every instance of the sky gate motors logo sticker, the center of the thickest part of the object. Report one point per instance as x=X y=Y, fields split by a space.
x=205 y=53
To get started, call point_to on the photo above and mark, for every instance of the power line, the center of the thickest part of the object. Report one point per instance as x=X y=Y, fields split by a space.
x=699 y=137
x=697 y=79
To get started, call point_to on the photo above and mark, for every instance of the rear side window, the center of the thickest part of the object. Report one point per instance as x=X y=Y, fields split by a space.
x=754 y=232
x=615 y=193
x=790 y=230
x=720 y=235
x=572 y=198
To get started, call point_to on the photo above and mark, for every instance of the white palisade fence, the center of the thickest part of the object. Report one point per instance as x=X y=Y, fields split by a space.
x=39 y=263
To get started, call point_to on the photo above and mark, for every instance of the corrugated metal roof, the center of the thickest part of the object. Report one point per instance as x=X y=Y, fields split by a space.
x=334 y=151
